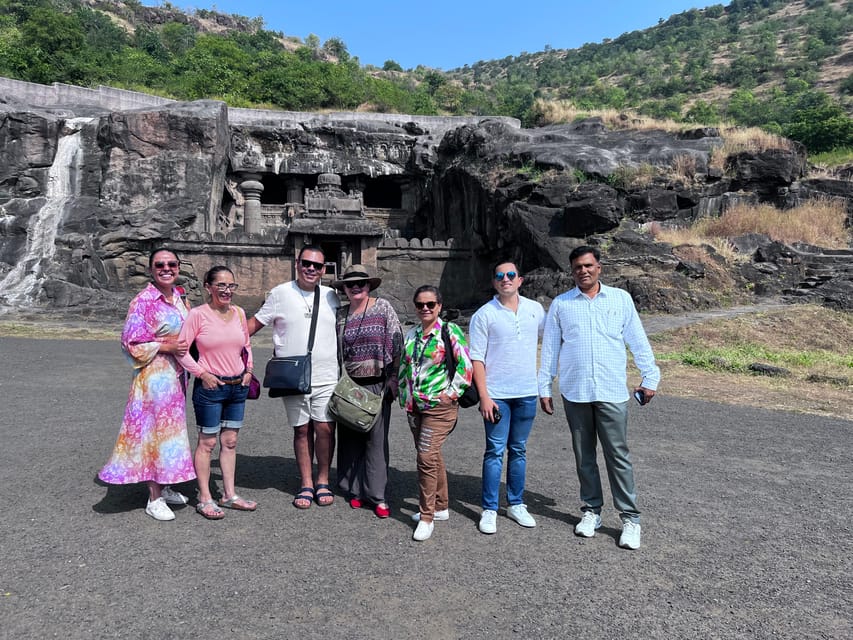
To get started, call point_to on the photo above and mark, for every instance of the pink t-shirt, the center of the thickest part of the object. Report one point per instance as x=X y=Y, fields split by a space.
x=220 y=342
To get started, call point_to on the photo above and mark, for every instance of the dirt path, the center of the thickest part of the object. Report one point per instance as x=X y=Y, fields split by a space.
x=659 y=323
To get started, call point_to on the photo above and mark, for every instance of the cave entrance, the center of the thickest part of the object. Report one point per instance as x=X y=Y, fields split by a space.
x=383 y=192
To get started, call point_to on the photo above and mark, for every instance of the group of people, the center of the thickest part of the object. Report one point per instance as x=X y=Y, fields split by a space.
x=583 y=336
x=164 y=339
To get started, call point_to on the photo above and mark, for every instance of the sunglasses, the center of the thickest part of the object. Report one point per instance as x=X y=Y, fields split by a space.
x=512 y=275
x=310 y=264
x=172 y=264
x=222 y=287
x=361 y=284
x=430 y=304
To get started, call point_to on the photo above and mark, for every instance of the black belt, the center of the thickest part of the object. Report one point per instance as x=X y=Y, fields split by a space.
x=231 y=379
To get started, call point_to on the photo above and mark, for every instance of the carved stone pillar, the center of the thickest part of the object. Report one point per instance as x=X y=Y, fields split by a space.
x=252 y=190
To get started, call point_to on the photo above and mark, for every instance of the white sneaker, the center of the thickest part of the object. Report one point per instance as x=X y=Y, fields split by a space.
x=444 y=514
x=488 y=521
x=173 y=497
x=518 y=512
x=423 y=531
x=159 y=510
x=588 y=524
x=630 y=538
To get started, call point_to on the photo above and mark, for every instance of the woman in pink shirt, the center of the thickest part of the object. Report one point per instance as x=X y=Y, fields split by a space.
x=220 y=333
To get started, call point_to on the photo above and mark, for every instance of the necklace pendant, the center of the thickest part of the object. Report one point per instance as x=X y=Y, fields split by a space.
x=308 y=314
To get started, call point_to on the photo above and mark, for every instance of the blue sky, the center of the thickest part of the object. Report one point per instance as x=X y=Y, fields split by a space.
x=446 y=34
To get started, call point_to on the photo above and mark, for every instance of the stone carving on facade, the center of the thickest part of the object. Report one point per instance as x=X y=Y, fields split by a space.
x=329 y=200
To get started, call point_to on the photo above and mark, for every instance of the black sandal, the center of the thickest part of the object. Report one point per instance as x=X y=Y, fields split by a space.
x=322 y=491
x=304 y=498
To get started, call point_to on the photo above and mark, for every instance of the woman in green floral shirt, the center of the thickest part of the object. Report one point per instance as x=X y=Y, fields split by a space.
x=430 y=397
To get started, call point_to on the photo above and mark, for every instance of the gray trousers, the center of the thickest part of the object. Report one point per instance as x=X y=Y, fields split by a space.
x=363 y=457
x=607 y=422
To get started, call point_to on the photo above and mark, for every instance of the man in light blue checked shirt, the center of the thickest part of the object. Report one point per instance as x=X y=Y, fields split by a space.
x=586 y=332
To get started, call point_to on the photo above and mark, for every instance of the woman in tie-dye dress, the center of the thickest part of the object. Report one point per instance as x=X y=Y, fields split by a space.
x=152 y=445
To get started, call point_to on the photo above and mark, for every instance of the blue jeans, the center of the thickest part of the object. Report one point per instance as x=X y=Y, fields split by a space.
x=510 y=434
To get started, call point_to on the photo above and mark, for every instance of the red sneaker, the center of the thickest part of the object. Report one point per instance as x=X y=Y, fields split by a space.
x=382 y=510
x=355 y=503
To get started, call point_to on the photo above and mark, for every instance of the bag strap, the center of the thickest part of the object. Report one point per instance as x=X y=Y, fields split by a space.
x=449 y=358
x=343 y=315
x=340 y=319
x=244 y=354
x=314 y=315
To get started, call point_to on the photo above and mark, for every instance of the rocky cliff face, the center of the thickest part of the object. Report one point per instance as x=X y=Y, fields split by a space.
x=116 y=183
x=86 y=192
x=581 y=184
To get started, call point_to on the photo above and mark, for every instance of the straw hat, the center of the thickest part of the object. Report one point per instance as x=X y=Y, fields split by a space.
x=354 y=273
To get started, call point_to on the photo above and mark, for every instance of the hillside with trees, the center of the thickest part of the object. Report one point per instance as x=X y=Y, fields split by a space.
x=784 y=66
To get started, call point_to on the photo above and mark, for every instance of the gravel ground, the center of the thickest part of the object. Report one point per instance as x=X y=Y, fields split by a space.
x=746 y=530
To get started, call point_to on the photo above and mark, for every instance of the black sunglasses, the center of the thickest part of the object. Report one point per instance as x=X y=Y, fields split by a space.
x=307 y=264
x=512 y=275
x=172 y=264
x=430 y=304
x=361 y=284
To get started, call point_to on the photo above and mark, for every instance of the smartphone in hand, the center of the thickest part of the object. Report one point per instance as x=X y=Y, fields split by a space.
x=640 y=397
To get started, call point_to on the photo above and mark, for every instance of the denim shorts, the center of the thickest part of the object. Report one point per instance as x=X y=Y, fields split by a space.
x=220 y=408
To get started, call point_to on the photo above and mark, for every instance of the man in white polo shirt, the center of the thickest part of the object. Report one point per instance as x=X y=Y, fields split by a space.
x=504 y=335
x=289 y=307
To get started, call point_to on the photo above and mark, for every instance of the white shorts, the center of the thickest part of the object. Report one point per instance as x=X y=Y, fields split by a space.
x=311 y=406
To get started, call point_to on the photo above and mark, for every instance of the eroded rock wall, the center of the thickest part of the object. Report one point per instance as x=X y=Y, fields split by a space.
x=472 y=191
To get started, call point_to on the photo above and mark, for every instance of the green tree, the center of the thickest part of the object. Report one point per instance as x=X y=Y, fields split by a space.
x=701 y=112
x=51 y=45
x=745 y=109
x=846 y=85
x=11 y=44
x=214 y=66
x=177 y=38
x=335 y=47
x=149 y=41
x=292 y=83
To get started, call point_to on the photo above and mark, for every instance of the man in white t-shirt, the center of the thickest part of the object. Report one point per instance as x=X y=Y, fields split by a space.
x=504 y=335
x=289 y=308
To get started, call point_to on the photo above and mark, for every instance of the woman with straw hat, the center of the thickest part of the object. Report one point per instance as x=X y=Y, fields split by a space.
x=369 y=337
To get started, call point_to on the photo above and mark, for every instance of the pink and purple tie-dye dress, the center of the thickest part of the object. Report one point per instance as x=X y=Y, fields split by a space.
x=152 y=444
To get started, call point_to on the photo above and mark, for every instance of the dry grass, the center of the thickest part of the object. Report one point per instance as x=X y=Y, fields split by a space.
x=684 y=166
x=704 y=360
x=638 y=177
x=735 y=139
x=562 y=111
x=818 y=222
x=738 y=139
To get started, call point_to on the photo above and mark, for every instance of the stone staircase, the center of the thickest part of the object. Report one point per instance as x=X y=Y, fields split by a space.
x=827 y=277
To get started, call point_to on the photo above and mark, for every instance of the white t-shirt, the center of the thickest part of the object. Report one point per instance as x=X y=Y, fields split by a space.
x=506 y=343
x=288 y=310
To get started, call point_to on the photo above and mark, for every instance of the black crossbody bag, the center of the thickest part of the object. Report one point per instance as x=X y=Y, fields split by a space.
x=291 y=375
